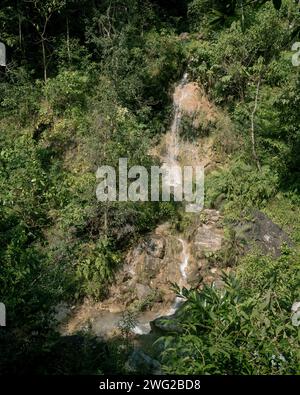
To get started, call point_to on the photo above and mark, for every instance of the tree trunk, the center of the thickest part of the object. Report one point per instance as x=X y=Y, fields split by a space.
x=254 y=153
x=68 y=40
x=44 y=59
x=20 y=31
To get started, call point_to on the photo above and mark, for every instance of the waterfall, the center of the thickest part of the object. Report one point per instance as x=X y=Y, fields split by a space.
x=143 y=328
x=183 y=266
x=171 y=164
x=175 y=177
x=173 y=147
x=185 y=260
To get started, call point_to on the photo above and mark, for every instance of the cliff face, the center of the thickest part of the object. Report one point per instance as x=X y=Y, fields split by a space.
x=143 y=284
x=166 y=257
x=193 y=102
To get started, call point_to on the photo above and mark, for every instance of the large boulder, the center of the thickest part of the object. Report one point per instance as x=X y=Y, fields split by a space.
x=262 y=232
x=206 y=237
x=166 y=324
x=140 y=362
x=149 y=269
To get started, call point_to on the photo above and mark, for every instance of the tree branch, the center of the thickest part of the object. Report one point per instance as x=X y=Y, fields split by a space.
x=254 y=153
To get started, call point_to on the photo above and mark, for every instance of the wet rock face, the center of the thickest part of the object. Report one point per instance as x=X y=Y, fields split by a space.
x=156 y=262
x=144 y=281
x=191 y=101
x=262 y=232
x=148 y=271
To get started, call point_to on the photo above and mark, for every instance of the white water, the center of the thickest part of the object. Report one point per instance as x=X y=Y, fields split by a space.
x=173 y=147
x=171 y=159
x=185 y=260
x=183 y=267
x=175 y=306
x=142 y=329
x=174 y=180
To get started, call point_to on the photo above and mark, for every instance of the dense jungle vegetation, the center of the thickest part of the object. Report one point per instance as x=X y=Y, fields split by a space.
x=90 y=81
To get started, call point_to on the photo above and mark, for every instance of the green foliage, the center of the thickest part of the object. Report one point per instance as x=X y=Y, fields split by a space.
x=283 y=210
x=95 y=272
x=127 y=324
x=67 y=88
x=19 y=95
x=242 y=186
x=89 y=82
x=148 y=65
x=281 y=275
x=229 y=62
x=220 y=13
x=238 y=330
x=287 y=104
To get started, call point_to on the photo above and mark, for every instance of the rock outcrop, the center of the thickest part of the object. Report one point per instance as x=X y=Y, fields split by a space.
x=155 y=262
x=140 y=362
x=144 y=282
x=206 y=236
x=192 y=101
x=260 y=231
x=150 y=268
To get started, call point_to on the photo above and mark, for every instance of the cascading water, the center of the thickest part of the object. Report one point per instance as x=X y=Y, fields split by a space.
x=107 y=321
x=172 y=166
x=183 y=267
x=143 y=328
x=173 y=146
x=185 y=261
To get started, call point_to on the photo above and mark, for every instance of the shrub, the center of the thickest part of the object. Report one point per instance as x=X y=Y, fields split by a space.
x=236 y=331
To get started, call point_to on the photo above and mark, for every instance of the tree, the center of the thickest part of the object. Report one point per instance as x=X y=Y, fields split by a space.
x=43 y=11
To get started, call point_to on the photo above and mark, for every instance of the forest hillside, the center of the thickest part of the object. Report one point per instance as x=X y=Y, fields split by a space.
x=95 y=287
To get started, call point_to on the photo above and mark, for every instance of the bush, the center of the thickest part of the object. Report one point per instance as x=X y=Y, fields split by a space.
x=242 y=186
x=238 y=330
x=96 y=271
x=68 y=88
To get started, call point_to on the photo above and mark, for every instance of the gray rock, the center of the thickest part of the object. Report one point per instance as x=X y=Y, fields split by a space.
x=264 y=233
x=166 y=324
x=155 y=246
x=142 y=291
x=139 y=362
